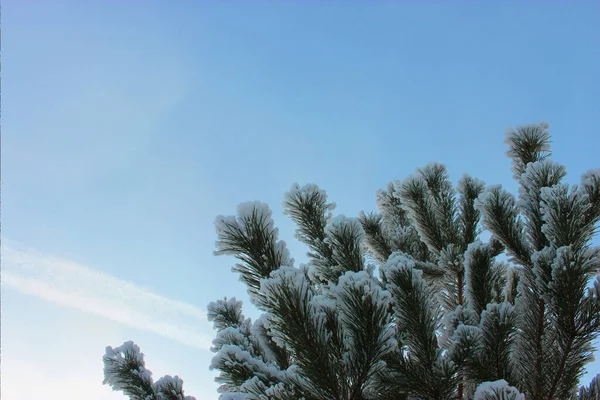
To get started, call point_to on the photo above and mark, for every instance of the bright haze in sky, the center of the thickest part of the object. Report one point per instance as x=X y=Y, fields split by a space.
x=128 y=126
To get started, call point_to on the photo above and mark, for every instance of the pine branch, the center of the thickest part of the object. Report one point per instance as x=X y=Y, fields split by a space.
x=402 y=379
x=464 y=345
x=500 y=217
x=451 y=322
x=238 y=336
x=252 y=239
x=527 y=144
x=241 y=356
x=421 y=209
x=344 y=236
x=414 y=310
x=273 y=352
x=389 y=204
x=468 y=218
x=244 y=350
x=496 y=246
x=497 y=390
x=441 y=190
x=565 y=213
x=431 y=272
x=512 y=284
x=591 y=392
x=537 y=176
x=375 y=240
x=497 y=329
x=482 y=276
x=170 y=388
x=297 y=325
x=363 y=312
x=533 y=340
x=394 y=381
x=423 y=372
x=590 y=186
x=396 y=226
x=238 y=366
x=570 y=274
x=225 y=313
x=451 y=261
x=125 y=370
x=309 y=209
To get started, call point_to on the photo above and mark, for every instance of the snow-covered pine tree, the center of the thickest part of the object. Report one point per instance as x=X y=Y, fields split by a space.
x=125 y=370
x=410 y=303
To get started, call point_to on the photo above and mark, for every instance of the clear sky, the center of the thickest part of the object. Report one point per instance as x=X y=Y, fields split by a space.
x=128 y=126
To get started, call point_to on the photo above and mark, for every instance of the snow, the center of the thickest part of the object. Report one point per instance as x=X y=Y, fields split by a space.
x=281 y=277
x=554 y=200
x=340 y=222
x=234 y=396
x=452 y=258
x=504 y=311
x=231 y=355
x=224 y=225
x=115 y=358
x=229 y=228
x=546 y=170
x=550 y=194
x=174 y=385
x=450 y=322
x=474 y=249
x=323 y=303
x=528 y=131
x=371 y=291
x=261 y=210
x=365 y=282
x=462 y=334
x=412 y=180
x=217 y=310
x=467 y=179
x=282 y=280
x=477 y=245
x=497 y=390
x=230 y=335
x=256 y=331
x=219 y=306
x=399 y=261
x=307 y=191
x=281 y=248
x=278 y=391
x=355 y=279
x=590 y=176
x=491 y=195
x=537 y=175
x=383 y=198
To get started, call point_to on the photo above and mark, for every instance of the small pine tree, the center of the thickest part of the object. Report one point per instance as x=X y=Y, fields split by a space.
x=410 y=302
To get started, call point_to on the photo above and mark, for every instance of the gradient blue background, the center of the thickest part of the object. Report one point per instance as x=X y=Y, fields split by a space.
x=127 y=126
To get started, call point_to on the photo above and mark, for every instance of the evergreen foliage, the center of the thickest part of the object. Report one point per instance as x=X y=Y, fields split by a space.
x=125 y=370
x=410 y=302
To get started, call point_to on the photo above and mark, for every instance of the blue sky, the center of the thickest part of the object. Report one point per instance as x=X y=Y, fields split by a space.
x=128 y=126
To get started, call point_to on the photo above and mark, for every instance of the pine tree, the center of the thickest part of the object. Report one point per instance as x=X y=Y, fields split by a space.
x=410 y=302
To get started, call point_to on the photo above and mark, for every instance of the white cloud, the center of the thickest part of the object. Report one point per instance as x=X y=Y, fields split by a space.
x=72 y=285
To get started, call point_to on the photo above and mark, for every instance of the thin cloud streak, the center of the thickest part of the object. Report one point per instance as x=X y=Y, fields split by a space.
x=75 y=286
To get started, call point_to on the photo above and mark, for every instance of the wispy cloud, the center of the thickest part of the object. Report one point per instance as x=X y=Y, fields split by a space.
x=76 y=286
